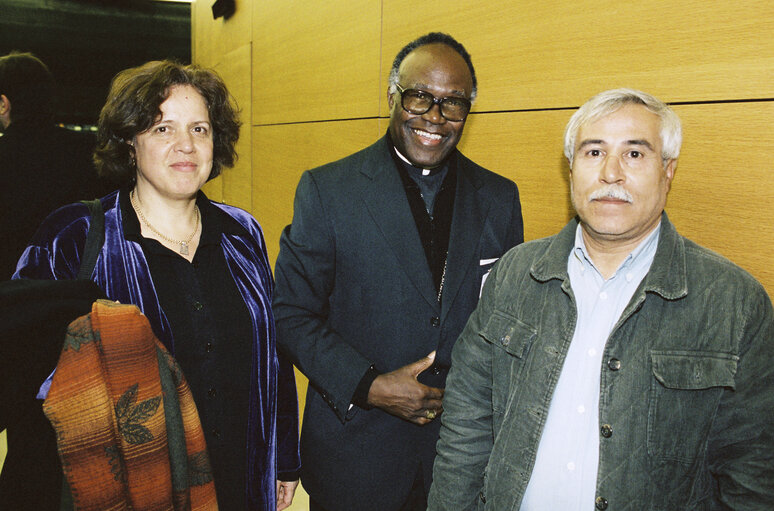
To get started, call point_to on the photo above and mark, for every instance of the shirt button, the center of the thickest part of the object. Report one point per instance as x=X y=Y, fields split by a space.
x=629 y=277
x=592 y=352
x=606 y=430
x=603 y=295
x=571 y=466
x=600 y=503
x=435 y=321
x=212 y=392
x=614 y=364
x=216 y=433
x=208 y=347
x=581 y=409
x=197 y=306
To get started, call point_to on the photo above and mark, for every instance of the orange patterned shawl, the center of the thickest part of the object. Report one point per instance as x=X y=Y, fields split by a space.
x=127 y=428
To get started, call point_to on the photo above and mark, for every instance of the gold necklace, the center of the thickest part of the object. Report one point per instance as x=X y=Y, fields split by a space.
x=183 y=243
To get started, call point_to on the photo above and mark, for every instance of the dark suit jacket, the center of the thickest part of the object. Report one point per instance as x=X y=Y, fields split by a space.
x=354 y=289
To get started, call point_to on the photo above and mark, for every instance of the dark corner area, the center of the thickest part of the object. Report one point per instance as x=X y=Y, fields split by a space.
x=86 y=42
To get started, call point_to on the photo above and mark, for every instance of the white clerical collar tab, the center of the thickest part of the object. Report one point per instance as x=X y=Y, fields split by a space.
x=425 y=172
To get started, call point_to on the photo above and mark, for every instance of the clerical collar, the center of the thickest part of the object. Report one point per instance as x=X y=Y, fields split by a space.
x=419 y=170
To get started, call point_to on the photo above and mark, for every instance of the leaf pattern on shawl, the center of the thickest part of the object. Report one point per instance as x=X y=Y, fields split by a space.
x=199 y=469
x=79 y=332
x=131 y=417
x=116 y=465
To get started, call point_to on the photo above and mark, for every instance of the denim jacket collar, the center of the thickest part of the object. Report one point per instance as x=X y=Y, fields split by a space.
x=667 y=276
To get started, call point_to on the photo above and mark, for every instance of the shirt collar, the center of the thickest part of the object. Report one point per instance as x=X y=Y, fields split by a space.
x=420 y=171
x=642 y=254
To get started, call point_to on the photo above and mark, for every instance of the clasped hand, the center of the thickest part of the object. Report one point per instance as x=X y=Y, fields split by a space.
x=400 y=394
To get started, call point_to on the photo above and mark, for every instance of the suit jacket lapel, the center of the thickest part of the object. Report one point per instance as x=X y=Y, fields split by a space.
x=466 y=229
x=385 y=200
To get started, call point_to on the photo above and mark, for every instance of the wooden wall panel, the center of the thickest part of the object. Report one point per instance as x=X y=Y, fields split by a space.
x=282 y=153
x=723 y=193
x=554 y=53
x=235 y=69
x=316 y=60
x=211 y=39
x=527 y=148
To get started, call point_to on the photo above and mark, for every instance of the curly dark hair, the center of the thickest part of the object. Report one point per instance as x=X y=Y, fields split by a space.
x=431 y=38
x=133 y=106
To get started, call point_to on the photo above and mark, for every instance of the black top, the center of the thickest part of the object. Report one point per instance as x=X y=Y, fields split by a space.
x=213 y=335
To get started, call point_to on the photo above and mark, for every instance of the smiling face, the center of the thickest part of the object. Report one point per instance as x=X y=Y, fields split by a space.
x=174 y=156
x=619 y=182
x=427 y=139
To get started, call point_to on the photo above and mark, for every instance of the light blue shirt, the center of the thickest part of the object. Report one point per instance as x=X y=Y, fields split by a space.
x=565 y=473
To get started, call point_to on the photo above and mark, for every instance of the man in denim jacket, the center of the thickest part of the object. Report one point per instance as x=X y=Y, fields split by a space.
x=615 y=365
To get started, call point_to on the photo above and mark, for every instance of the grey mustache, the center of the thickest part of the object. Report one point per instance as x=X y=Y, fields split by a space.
x=611 y=192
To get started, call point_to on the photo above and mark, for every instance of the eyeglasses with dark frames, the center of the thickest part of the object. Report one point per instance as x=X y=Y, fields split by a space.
x=419 y=102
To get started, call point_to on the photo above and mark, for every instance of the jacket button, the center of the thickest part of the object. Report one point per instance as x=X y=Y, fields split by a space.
x=435 y=370
x=435 y=321
x=614 y=364
x=216 y=433
x=482 y=497
x=212 y=392
x=506 y=340
x=208 y=347
x=600 y=503
x=197 y=306
x=606 y=430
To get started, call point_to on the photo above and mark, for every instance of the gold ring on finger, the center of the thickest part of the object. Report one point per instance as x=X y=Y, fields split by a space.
x=430 y=414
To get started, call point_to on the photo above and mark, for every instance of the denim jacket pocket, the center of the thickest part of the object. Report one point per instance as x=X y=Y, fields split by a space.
x=685 y=391
x=508 y=333
x=510 y=339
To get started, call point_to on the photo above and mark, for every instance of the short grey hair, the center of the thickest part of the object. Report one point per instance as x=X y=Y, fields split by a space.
x=609 y=101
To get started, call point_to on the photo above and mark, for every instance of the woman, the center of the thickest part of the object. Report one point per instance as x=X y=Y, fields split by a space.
x=198 y=270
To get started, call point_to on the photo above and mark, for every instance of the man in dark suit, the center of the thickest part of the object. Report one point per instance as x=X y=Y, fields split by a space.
x=376 y=277
x=42 y=166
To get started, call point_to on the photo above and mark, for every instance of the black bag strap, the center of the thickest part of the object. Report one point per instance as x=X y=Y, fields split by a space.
x=94 y=239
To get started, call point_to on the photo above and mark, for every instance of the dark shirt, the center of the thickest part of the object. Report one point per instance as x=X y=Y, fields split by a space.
x=42 y=167
x=431 y=199
x=429 y=182
x=213 y=338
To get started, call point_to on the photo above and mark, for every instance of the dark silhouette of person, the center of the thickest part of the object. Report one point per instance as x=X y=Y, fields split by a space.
x=42 y=166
